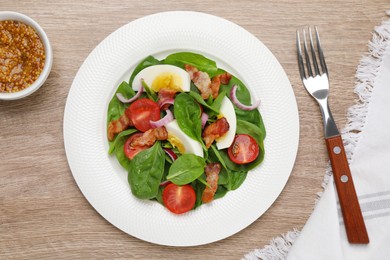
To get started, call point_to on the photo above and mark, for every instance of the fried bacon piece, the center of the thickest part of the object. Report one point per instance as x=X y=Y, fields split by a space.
x=212 y=173
x=151 y=136
x=201 y=80
x=206 y=85
x=225 y=78
x=215 y=130
x=217 y=81
x=215 y=84
x=117 y=126
x=163 y=95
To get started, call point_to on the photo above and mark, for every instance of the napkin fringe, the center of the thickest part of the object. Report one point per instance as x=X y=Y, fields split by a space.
x=277 y=249
x=366 y=74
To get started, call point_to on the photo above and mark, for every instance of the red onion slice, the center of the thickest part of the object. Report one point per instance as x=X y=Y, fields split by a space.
x=204 y=119
x=124 y=100
x=163 y=121
x=170 y=153
x=169 y=101
x=238 y=103
x=164 y=183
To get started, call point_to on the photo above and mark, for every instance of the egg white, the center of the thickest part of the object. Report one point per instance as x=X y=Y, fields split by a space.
x=149 y=74
x=190 y=145
x=227 y=111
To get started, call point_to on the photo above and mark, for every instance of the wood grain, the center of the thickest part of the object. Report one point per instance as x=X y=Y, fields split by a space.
x=43 y=213
x=349 y=204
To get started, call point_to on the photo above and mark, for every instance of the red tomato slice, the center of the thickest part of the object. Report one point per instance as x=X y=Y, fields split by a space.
x=141 y=112
x=131 y=151
x=244 y=149
x=179 y=199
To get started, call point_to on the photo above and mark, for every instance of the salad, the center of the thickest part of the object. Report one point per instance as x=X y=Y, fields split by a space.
x=185 y=131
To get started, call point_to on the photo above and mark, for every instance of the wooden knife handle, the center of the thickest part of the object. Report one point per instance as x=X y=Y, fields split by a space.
x=350 y=208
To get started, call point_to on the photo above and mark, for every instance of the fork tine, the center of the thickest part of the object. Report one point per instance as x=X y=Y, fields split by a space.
x=300 y=59
x=307 y=57
x=320 y=53
x=313 y=54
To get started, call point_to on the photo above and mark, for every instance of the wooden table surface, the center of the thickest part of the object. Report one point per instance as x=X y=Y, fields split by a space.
x=42 y=211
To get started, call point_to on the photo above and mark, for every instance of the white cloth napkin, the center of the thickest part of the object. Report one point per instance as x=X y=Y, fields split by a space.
x=324 y=236
x=367 y=144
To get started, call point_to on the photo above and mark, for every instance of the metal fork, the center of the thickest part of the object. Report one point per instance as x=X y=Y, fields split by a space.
x=315 y=79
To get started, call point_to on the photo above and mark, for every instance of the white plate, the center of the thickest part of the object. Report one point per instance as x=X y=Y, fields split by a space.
x=100 y=177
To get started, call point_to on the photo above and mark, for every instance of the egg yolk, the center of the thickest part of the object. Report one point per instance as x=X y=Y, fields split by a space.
x=167 y=80
x=175 y=142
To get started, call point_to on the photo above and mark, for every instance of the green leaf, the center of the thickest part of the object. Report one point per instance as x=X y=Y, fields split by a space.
x=221 y=191
x=199 y=188
x=231 y=180
x=186 y=169
x=188 y=116
x=216 y=156
x=116 y=108
x=149 y=92
x=146 y=171
x=236 y=179
x=202 y=179
x=243 y=94
x=200 y=100
x=196 y=60
x=120 y=154
x=244 y=127
x=216 y=105
x=147 y=62
x=114 y=143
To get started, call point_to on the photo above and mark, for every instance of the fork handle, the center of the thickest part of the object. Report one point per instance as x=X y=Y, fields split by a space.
x=350 y=208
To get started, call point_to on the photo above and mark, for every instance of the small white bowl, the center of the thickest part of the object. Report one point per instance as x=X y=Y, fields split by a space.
x=6 y=15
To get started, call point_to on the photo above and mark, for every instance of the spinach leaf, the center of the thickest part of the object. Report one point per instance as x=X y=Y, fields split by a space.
x=187 y=113
x=193 y=88
x=159 y=195
x=243 y=94
x=244 y=127
x=221 y=191
x=216 y=105
x=186 y=169
x=200 y=100
x=149 y=92
x=231 y=180
x=199 y=188
x=252 y=116
x=235 y=179
x=164 y=177
x=147 y=62
x=145 y=172
x=120 y=154
x=114 y=143
x=223 y=177
x=215 y=156
x=202 y=179
x=199 y=61
x=116 y=108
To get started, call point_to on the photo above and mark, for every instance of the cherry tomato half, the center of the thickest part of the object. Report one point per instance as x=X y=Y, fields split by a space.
x=244 y=149
x=179 y=199
x=141 y=112
x=131 y=151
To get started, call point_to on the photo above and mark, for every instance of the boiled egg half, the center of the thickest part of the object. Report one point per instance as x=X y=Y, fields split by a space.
x=163 y=76
x=227 y=111
x=181 y=141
